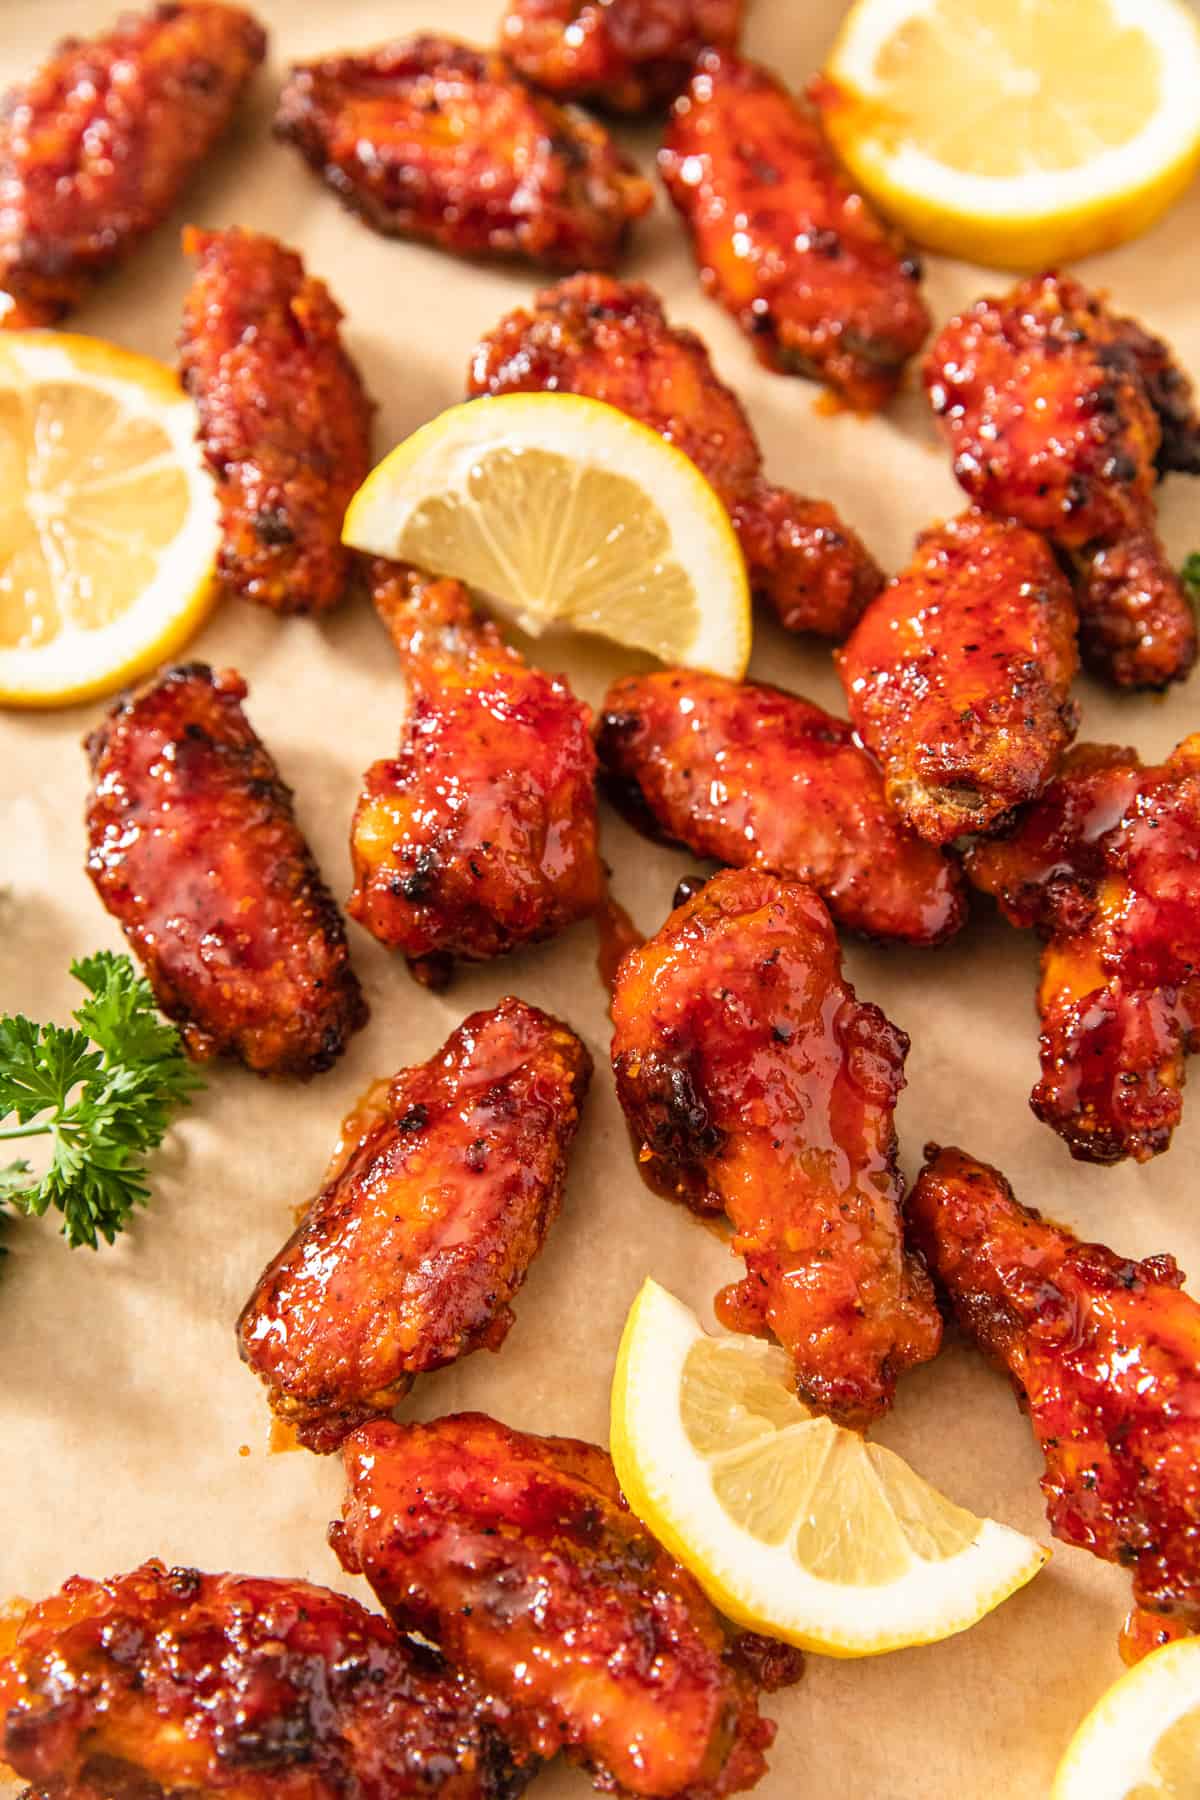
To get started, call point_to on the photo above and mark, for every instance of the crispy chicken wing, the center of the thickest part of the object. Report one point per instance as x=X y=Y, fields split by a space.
x=194 y=848
x=518 y=1556
x=1059 y=414
x=758 y=778
x=480 y=834
x=442 y=1193
x=1106 y=1354
x=167 y=1682
x=1106 y=868
x=611 y=341
x=96 y=148
x=627 y=55
x=756 y=1082
x=431 y=139
x=285 y=422
x=816 y=281
x=958 y=676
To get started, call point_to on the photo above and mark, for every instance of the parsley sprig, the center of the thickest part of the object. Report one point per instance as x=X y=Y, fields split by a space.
x=103 y=1091
x=1190 y=577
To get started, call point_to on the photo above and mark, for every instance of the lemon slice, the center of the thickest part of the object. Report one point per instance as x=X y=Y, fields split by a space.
x=794 y=1526
x=1014 y=134
x=109 y=527
x=560 y=510
x=1142 y=1740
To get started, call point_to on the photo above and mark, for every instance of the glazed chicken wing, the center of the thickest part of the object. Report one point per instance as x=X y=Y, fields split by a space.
x=813 y=277
x=96 y=148
x=611 y=341
x=166 y=1682
x=285 y=422
x=446 y=1184
x=758 y=778
x=517 y=1555
x=480 y=834
x=431 y=139
x=627 y=55
x=958 y=676
x=1105 y=1353
x=1106 y=868
x=1060 y=414
x=194 y=848
x=757 y=1083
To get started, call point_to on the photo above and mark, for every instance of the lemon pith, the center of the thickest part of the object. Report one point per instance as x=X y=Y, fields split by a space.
x=1141 y=1741
x=793 y=1525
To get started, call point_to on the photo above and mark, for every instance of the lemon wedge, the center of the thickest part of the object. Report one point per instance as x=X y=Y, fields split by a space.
x=794 y=1526
x=1012 y=134
x=560 y=510
x=1142 y=1739
x=109 y=527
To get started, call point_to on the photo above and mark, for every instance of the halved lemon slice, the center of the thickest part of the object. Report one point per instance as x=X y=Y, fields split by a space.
x=793 y=1526
x=560 y=510
x=108 y=519
x=1013 y=134
x=1142 y=1739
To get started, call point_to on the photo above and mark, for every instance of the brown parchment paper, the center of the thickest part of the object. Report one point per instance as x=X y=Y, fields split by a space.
x=123 y=1405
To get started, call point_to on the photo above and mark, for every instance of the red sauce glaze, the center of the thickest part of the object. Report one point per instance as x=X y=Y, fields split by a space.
x=1143 y=1632
x=611 y=341
x=958 y=676
x=431 y=139
x=1106 y=867
x=409 y=1257
x=1105 y=1352
x=811 y=274
x=480 y=834
x=759 y=778
x=624 y=55
x=170 y=1681
x=519 y=1557
x=194 y=848
x=96 y=148
x=755 y=1082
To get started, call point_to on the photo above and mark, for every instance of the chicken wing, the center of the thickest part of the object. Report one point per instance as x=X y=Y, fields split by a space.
x=1060 y=414
x=758 y=778
x=434 y=140
x=1105 y=1353
x=442 y=1193
x=96 y=148
x=627 y=55
x=611 y=341
x=480 y=835
x=167 y=1682
x=813 y=277
x=958 y=676
x=518 y=1556
x=1106 y=868
x=285 y=422
x=195 y=851
x=756 y=1082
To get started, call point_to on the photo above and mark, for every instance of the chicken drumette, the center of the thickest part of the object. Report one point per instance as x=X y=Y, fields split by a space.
x=480 y=834
x=1106 y=868
x=813 y=277
x=1106 y=1355
x=758 y=778
x=611 y=341
x=1061 y=414
x=168 y=1682
x=285 y=423
x=96 y=148
x=194 y=848
x=755 y=1082
x=517 y=1556
x=627 y=55
x=441 y=1195
x=958 y=676
x=432 y=139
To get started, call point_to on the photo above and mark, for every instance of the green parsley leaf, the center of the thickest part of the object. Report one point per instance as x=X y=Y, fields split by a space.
x=1190 y=577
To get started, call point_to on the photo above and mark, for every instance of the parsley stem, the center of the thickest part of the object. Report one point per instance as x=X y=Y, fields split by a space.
x=20 y=1131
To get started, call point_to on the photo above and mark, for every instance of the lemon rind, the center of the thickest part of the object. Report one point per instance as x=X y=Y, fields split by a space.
x=1109 y=1754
